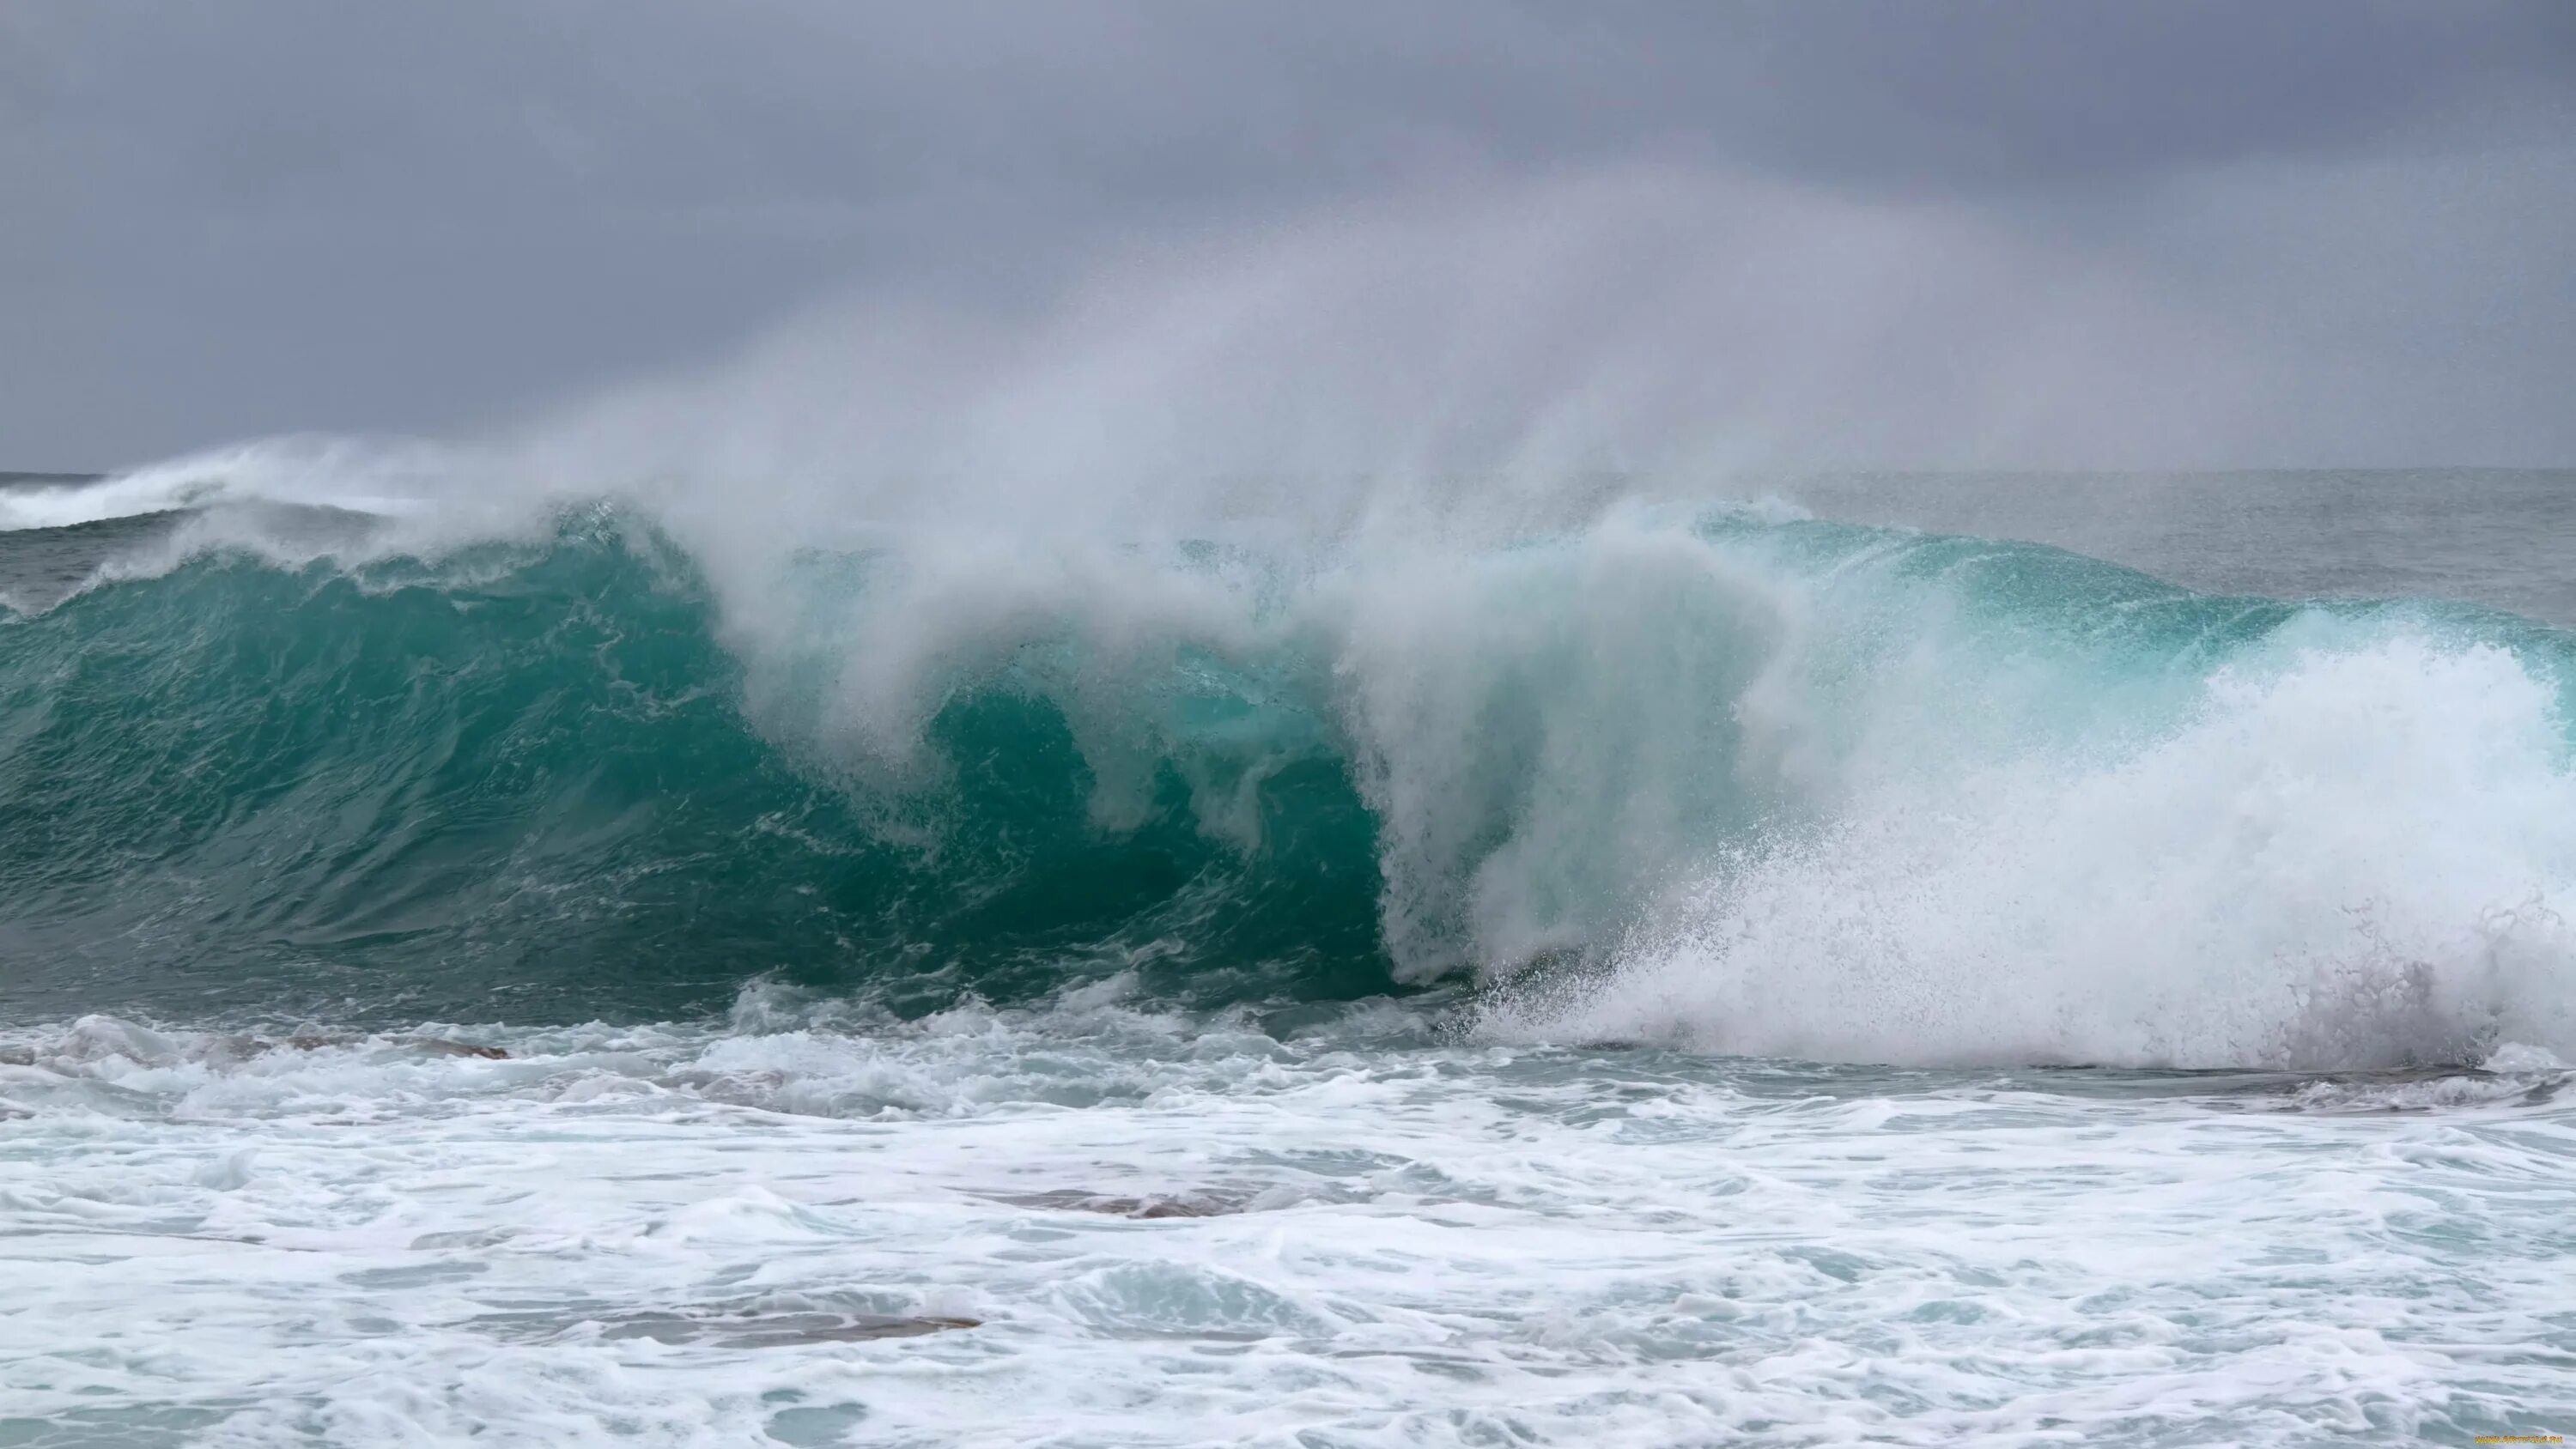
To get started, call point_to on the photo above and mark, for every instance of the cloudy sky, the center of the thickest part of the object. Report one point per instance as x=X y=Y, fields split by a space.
x=2330 y=231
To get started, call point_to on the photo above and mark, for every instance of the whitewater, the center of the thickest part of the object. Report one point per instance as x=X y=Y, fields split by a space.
x=609 y=954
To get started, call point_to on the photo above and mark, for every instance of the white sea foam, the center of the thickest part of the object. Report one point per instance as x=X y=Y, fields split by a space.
x=2344 y=856
x=378 y=1240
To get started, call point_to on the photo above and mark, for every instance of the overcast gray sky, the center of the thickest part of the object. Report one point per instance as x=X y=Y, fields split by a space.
x=222 y=220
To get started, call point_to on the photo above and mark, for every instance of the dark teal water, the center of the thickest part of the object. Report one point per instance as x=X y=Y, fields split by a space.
x=534 y=796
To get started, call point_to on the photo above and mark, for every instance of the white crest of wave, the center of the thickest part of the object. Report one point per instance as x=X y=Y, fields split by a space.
x=361 y=475
x=2348 y=857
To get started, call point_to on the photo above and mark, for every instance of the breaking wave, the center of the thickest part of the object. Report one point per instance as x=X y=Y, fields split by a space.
x=1718 y=776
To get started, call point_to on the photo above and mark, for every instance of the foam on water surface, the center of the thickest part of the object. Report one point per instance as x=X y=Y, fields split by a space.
x=820 y=1225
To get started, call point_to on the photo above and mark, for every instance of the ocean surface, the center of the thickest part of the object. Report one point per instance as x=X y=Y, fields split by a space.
x=1913 y=959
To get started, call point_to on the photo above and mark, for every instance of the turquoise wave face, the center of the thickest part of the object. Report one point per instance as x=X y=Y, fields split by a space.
x=1743 y=782
x=534 y=796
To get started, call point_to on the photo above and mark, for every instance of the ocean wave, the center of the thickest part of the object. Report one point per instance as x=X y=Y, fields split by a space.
x=1723 y=777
